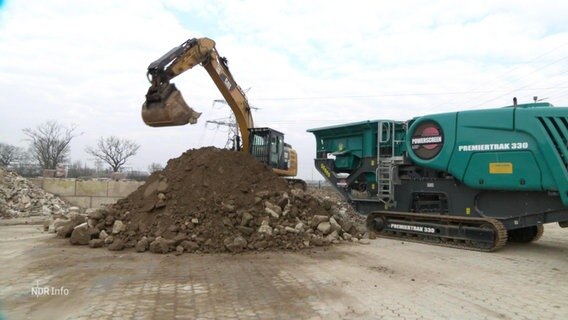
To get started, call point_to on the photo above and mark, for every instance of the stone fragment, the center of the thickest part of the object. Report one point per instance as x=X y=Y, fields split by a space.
x=94 y=213
x=116 y=245
x=142 y=245
x=56 y=224
x=261 y=245
x=245 y=230
x=66 y=229
x=160 y=245
x=92 y=222
x=271 y=212
x=74 y=209
x=189 y=246
x=236 y=245
x=93 y=232
x=334 y=235
x=346 y=225
x=109 y=220
x=317 y=219
x=275 y=208
x=291 y=230
x=117 y=227
x=109 y=240
x=297 y=193
x=324 y=228
x=263 y=194
x=103 y=235
x=179 y=238
x=80 y=235
x=246 y=218
x=265 y=228
x=96 y=243
x=284 y=200
x=334 y=225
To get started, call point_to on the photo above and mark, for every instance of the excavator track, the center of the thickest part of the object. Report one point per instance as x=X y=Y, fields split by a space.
x=478 y=234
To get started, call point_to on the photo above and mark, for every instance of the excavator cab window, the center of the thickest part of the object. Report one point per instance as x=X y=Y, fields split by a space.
x=273 y=152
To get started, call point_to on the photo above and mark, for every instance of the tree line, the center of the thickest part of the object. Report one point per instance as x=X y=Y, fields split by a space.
x=50 y=147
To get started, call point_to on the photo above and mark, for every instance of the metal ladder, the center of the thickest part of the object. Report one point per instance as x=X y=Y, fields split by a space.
x=386 y=163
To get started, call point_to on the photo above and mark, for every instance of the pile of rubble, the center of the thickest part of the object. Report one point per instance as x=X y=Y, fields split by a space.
x=19 y=197
x=211 y=200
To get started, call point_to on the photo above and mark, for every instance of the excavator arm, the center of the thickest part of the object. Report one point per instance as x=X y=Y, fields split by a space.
x=165 y=106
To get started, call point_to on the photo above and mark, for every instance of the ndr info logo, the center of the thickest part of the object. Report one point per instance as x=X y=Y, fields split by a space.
x=49 y=291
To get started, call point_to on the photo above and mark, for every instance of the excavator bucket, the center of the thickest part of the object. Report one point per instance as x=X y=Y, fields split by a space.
x=166 y=107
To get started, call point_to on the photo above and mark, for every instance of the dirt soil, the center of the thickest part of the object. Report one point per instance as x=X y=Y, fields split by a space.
x=214 y=200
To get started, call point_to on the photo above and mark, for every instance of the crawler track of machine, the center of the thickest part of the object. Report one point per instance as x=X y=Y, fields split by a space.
x=479 y=234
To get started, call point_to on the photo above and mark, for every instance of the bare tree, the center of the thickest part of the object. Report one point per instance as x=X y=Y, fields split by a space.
x=9 y=154
x=114 y=151
x=26 y=166
x=50 y=143
x=79 y=169
x=154 y=167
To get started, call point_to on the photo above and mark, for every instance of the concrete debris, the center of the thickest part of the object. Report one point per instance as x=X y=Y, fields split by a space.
x=324 y=228
x=117 y=227
x=19 y=197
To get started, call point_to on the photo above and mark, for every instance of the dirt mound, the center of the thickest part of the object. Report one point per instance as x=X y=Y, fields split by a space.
x=214 y=200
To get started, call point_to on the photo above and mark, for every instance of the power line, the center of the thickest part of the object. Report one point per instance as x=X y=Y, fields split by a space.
x=509 y=71
x=521 y=87
x=393 y=95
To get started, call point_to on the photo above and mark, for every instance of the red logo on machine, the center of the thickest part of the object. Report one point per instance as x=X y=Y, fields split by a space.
x=427 y=140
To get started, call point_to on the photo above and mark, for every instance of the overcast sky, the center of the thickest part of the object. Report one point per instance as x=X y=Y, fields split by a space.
x=306 y=64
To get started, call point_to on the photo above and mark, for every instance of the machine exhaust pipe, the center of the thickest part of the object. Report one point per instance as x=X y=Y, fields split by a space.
x=166 y=107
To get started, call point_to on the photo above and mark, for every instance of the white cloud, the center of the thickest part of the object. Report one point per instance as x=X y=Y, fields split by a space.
x=308 y=63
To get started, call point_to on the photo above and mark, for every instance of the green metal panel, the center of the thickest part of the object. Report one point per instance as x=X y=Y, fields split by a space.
x=357 y=139
x=477 y=130
x=352 y=142
x=549 y=128
x=503 y=171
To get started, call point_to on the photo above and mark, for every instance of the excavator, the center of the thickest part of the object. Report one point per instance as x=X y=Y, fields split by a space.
x=165 y=106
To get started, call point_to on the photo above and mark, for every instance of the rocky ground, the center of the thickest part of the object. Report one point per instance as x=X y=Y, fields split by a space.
x=211 y=200
x=19 y=197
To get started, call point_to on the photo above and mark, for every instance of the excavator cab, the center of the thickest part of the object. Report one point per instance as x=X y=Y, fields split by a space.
x=165 y=106
x=267 y=146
